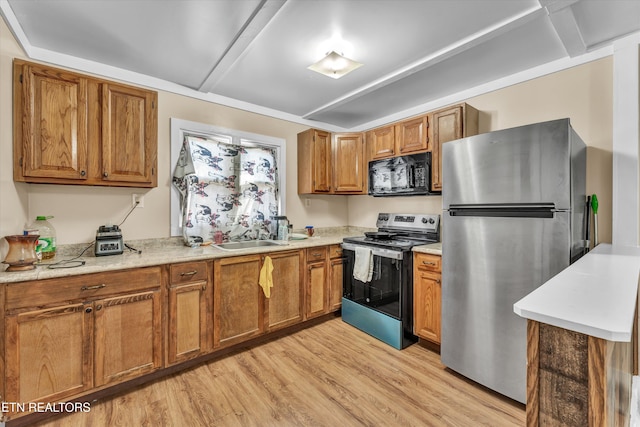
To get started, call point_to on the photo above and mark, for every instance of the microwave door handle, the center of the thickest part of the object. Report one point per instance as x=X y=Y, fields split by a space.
x=411 y=178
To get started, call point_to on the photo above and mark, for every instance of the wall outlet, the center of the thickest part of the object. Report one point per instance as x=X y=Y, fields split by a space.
x=307 y=202
x=137 y=198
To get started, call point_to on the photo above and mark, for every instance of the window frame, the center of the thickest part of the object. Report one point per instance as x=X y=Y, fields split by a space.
x=180 y=127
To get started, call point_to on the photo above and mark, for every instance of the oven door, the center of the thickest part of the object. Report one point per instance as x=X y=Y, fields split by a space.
x=384 y=293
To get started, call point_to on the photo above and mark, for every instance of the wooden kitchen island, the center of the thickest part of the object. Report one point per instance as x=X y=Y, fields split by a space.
x=582 y=341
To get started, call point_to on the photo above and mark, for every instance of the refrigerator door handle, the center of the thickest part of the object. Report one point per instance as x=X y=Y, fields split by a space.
x=532 y=210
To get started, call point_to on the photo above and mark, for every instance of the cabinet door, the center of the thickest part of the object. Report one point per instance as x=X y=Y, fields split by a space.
x=335 y=283
x=317 y=287
x=412 y=136
x=53 y=123
x=238 y=300
x=284 y=307
x=348 y=164
x=382 y=142
x=188 y=321
x=48 y=353
x=426 y=305
x=321 y=162
x=447 y=126
x=128 y=336
x=129 y=141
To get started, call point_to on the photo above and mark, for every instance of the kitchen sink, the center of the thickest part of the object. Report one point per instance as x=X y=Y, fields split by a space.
x=234 y=246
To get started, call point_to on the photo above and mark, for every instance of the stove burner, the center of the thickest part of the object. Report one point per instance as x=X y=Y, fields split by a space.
x=380 y=235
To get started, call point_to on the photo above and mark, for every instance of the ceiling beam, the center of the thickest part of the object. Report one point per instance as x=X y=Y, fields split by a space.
x=261 y=16
x=433 y=59
x=565 y=25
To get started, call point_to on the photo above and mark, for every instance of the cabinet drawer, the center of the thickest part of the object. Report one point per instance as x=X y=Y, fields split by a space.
x=80 y=288
x=188 y=272
x=428 y=262
x=316 y=254
x=335 y=251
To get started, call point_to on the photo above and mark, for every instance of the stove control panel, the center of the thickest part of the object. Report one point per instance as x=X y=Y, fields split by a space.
x=410 y=222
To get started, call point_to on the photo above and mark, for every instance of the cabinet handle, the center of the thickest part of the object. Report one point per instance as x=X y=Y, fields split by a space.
x=99 y=307
x=88 y=310
x=428 y=263
x=91 y=288
x=106 y=174
x=204 y=287
x=438 y=281
x=316 y=254
x=189 y=273
x=83 y=173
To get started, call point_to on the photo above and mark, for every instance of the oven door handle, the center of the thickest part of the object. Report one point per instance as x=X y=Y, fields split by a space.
x=383 y=253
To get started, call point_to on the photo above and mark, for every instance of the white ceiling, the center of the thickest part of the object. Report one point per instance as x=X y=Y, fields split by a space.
x=254 y=53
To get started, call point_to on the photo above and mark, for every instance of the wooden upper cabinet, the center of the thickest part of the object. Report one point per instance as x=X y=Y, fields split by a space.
x=412 y=136
x=382 y=142
x=50 y=123
x=74 y=129
x=349 y=174
x=129 y=141
x=449 y=124
x=314 y=162
x=406 y=137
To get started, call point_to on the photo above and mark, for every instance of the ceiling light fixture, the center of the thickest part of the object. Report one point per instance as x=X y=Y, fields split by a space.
x=334 y=65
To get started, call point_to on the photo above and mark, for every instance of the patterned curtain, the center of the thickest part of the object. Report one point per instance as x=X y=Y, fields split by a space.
x=225 y=187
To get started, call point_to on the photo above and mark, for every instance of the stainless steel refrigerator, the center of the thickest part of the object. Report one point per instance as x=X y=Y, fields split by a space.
x=513 y=217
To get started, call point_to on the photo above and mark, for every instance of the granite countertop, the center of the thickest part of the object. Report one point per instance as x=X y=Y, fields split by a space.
x=433 y=248
x=595 y=296
x=163 y=251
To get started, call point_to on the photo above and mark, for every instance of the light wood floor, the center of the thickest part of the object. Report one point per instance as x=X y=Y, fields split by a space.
x=328 y=375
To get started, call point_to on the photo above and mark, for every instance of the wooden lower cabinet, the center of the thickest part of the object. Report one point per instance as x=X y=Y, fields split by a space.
x=48 y=353
x=190 y=310
x=128 y=336
x=317 y=284
x=238 y=300
x=427 y=296
x=284 y=307
x=111 y=334
x=68 y=337
x=336 y=263
x=574 y=379
x=241 y=310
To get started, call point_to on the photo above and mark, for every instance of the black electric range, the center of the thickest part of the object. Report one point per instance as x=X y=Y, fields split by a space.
x=381 y=302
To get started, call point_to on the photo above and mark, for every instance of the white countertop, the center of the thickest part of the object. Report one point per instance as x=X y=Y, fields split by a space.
x=595 y=296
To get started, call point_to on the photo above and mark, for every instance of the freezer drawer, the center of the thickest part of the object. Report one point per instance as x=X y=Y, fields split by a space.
x=488 y=264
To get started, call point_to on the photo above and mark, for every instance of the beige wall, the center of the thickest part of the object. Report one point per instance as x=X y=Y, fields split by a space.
x=584 y=94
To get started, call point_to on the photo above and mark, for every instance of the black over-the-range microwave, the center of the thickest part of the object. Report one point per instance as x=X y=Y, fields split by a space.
x=408 y=175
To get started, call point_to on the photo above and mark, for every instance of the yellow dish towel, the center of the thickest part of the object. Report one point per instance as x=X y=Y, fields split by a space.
x=266 y=278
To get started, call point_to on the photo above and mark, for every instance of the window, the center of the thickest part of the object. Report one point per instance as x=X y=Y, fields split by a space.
x=224 y=180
